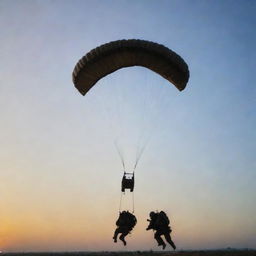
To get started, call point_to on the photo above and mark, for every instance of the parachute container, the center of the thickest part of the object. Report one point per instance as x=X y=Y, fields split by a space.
x=127 y=182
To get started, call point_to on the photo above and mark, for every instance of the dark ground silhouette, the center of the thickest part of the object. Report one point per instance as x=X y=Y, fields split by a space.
x=228 y=252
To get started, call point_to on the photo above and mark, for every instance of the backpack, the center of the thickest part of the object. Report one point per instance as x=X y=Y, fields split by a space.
x=163 y=219
x=131 y=220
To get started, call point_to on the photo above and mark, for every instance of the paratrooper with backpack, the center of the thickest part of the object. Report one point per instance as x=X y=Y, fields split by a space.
x=125 y=224
x=159 y=222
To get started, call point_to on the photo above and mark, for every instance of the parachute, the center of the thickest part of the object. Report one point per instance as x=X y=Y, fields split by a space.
x=115 y=55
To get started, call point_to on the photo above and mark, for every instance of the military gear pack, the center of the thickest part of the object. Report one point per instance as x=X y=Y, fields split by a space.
x=126 y=219
x=163 y=219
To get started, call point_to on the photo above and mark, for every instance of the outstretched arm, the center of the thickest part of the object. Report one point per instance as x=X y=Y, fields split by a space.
x=150 y=225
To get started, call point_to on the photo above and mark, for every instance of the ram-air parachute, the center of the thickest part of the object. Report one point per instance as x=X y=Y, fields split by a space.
x=115 y=55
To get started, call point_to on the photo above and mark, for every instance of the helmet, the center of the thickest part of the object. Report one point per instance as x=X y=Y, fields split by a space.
x=152 y=214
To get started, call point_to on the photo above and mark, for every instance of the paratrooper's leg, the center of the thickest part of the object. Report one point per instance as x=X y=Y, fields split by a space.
x=169 y=240
x=117 y=231
x=123 y=235
x=159 y=239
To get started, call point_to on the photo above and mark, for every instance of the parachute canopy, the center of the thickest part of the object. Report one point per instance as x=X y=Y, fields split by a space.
x=115 y=55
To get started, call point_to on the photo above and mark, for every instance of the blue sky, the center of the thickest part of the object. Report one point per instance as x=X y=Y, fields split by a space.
x=59 y=166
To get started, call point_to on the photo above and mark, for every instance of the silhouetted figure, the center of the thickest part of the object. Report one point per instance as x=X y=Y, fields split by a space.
x=160 y=223
x=125 y=224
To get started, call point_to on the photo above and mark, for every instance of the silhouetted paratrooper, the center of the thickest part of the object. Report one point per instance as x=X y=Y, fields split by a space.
x=160 y=223
x=125 y=224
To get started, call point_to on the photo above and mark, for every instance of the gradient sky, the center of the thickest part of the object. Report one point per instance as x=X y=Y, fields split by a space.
x=60 y=172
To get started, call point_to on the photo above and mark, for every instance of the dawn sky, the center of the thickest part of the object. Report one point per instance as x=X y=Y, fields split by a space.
x=59 y=169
